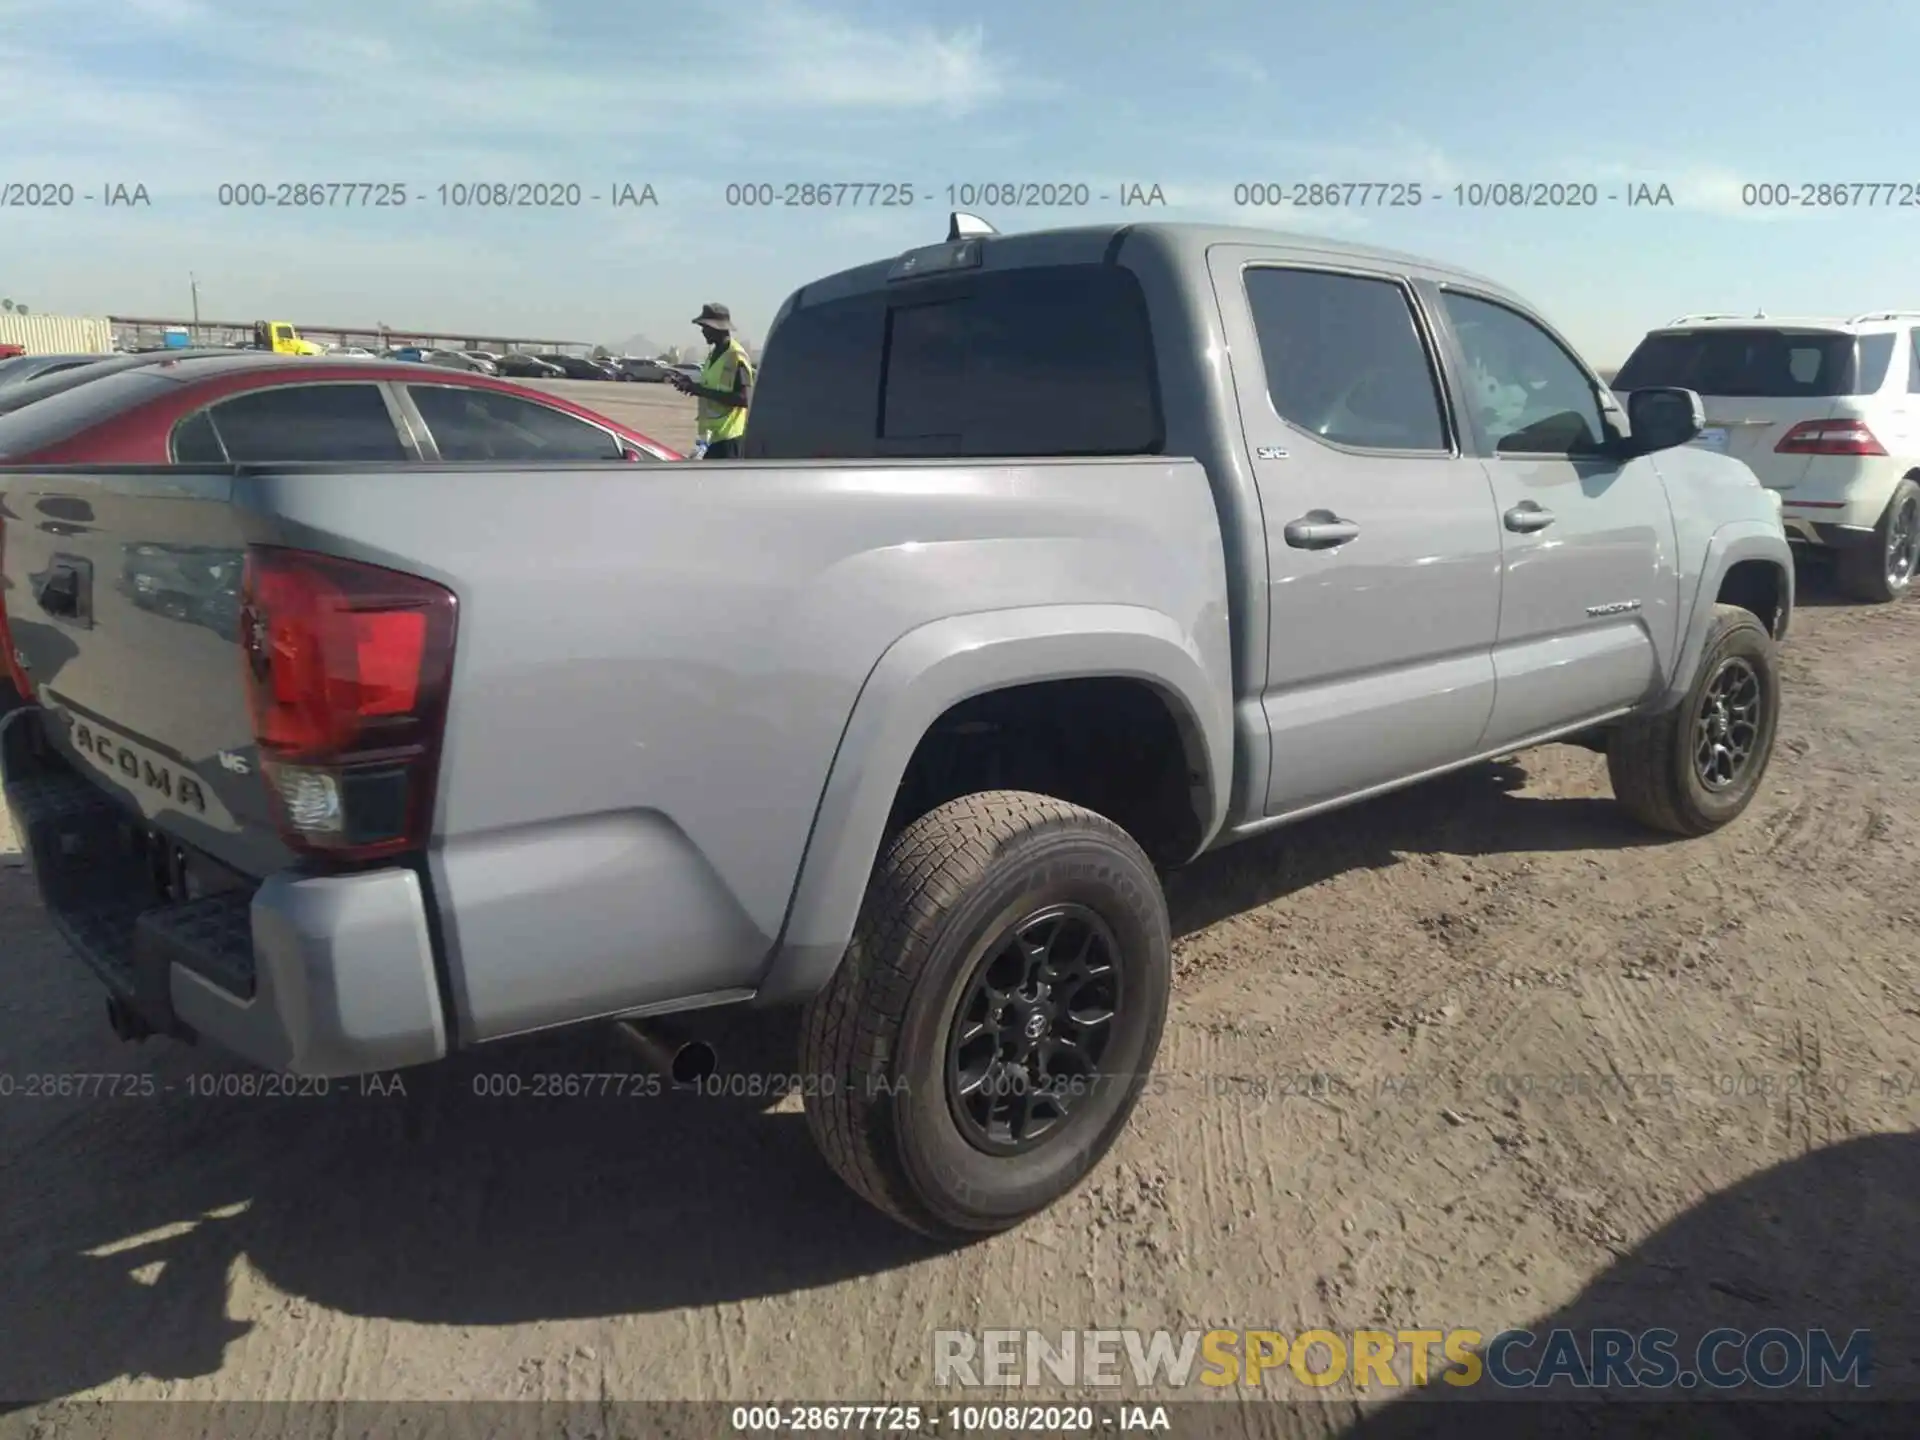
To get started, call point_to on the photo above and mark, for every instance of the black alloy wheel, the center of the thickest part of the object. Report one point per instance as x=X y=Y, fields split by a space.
x=1032 y=1027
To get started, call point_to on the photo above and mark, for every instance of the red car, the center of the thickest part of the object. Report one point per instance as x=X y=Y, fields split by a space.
x=268 y=409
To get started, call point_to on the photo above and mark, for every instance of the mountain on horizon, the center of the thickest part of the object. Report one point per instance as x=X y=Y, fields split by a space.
x=639 y=346
x=643 y=346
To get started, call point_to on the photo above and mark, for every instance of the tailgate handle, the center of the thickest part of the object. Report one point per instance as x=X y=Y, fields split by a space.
x=66 y=591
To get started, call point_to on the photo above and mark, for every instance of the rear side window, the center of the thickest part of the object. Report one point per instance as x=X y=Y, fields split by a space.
x=1344 y=359
x=1913 y=362
x=1044 y=360
x=296 y=423
x=1759 y=363
x=195 y=443
x=475 y=424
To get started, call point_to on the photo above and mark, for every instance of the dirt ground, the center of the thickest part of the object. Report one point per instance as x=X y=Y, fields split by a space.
x=1477 y=1055
x=656 y=411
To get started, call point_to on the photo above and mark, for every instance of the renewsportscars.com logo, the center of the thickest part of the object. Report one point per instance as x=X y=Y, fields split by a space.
x=1609 y=1359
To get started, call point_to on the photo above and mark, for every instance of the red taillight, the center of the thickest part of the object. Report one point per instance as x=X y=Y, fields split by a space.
x=13 y=668
x=346 y=667
x=1829 y=437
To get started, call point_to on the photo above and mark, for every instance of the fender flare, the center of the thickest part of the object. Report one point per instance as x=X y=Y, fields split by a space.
x=1731 y=543
x=924 y=674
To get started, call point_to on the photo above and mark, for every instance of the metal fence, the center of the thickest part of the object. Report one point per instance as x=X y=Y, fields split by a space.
x=138 y=333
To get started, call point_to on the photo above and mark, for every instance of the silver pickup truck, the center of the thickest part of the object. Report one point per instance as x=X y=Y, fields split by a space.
x=1055 y=560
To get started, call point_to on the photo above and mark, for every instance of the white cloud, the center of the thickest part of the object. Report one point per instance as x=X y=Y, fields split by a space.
x=445 y=89
x=811 y=58
x=1238 y=67
x=172 y=13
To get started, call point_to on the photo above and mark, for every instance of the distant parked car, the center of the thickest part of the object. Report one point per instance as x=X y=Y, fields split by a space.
x=412 y=354
x=21 y=368
x=578 y=367
x=528 y=367
x=242 y=408
x=357 y=351
x=492 y=357
x=1823 y=412
x=692 y=372
x=653 y=372
x=459 y=360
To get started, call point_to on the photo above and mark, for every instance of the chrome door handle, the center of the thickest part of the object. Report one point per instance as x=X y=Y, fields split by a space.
x=1527 y=517
x=1319 y=530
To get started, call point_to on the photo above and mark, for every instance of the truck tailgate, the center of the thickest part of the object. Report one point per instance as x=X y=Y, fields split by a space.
x=122 y=595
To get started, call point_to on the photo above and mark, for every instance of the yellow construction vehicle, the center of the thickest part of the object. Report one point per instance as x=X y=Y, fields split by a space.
x=281 y=338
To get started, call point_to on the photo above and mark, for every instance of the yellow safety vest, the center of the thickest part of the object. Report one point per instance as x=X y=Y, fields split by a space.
x=715 y=421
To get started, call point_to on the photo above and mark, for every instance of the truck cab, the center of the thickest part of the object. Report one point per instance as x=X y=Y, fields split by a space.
x=280 y=337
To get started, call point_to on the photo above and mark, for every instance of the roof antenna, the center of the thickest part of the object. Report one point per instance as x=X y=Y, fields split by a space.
x=961 y=225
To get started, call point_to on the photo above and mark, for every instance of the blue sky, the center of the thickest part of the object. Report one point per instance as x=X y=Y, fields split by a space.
x=1196 y=97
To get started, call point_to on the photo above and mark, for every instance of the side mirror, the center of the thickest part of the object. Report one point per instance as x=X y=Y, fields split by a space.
x=1663 y=418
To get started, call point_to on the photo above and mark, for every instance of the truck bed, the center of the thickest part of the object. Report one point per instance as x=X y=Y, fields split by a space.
x=653 y=671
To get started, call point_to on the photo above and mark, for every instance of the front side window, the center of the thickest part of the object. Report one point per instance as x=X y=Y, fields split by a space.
x=286 y=424
x=476 y=424
x=1913 y=362
x=1529 y=396
x=1345 y=360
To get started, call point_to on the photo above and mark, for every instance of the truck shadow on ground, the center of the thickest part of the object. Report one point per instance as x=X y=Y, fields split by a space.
x=1828 y=1240
x=1816 y=585
x=454 y=1203
x=1472 y=812
x=440 y=1200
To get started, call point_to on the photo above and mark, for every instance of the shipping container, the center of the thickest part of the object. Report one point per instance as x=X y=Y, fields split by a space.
x=57 y=334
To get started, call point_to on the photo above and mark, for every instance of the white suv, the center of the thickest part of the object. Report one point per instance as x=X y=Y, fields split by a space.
x=1826 y=412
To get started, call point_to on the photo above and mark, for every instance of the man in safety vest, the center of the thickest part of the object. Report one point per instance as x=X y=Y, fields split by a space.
x=725 y=387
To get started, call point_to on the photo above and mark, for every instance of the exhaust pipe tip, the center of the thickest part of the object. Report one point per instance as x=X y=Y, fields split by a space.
x=666 y=1051
x=693 y=1062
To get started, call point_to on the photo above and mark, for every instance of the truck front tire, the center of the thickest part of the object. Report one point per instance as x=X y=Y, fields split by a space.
x=1695 y=767
x=992 y=1025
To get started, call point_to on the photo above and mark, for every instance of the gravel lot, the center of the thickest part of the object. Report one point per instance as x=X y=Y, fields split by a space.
x=656 y=411
x=1477 y=1055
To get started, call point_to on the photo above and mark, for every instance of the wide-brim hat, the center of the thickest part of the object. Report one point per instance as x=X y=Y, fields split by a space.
x=714 y=317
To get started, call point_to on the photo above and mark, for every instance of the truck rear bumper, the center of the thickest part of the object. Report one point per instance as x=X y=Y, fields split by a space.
x=312 y=975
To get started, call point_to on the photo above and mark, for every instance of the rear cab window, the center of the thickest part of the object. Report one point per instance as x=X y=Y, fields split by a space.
x=1047 y=360
x=1759 y=363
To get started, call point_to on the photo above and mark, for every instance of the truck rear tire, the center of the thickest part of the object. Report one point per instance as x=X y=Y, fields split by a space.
x=1695 y=767
x=1884 y=570
x=991 y=1027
